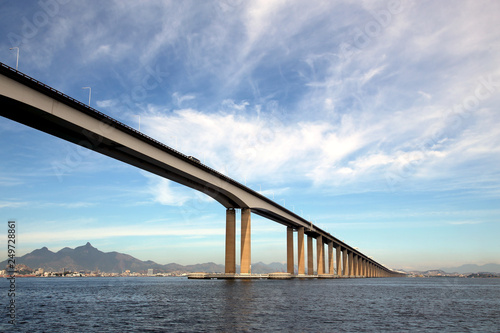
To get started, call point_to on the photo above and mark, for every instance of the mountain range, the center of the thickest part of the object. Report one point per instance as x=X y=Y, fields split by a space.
x=471 y=268
x=88 y=258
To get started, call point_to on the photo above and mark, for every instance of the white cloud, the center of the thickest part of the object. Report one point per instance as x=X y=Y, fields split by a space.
x=465 y=222
x=247 y=145
x=10 y=204
x=10 y=181
x=182 y=98
x=69 y=205
x=112 y=232
x=106 y=103
x=162 y=193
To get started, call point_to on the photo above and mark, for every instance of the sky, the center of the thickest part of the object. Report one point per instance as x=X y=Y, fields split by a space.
x=377 y=120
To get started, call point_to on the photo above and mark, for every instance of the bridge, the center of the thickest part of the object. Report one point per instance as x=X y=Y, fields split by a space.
x=32 y=103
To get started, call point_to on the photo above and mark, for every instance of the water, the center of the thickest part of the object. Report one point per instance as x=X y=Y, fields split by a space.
x=181 y=305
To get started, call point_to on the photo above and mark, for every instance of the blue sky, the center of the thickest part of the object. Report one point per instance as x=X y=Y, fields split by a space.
x=377 y=120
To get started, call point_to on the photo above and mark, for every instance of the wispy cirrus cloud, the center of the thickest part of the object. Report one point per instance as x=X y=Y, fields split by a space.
x=12 y=204
x=112 y=232
x=161 y=192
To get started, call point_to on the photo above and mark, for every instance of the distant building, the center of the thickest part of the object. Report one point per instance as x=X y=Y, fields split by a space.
x=150 y=272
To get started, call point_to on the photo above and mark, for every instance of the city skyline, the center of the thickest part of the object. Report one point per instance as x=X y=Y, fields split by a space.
x=378 y=122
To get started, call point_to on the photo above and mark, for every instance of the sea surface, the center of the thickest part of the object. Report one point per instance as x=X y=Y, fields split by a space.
x=160 y=304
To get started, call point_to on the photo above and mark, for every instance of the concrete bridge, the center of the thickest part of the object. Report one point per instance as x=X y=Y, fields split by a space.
x=32 y=103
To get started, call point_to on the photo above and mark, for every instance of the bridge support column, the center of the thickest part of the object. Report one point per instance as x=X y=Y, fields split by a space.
x=351 y=263
x=230 y=265
x=289 y=250
x=355 y=264
x=337 y=259
x=330 y=258
x=310 y=259
x=344 y=262
x=300 y=251
x=320 y=255
x=245 y=241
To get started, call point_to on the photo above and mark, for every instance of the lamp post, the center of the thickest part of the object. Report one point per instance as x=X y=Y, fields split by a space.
x=17 y=58
x=90 y=92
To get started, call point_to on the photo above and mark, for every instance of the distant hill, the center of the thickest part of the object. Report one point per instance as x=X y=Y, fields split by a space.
x=88 y=258
x=464 y=269
x=471 y=268
x=83 y=258
x=261 y=268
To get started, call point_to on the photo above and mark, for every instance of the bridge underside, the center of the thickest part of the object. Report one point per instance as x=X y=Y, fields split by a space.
x=53 y=125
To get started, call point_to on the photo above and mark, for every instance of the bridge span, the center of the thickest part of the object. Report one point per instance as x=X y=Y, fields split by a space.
x=32 y=103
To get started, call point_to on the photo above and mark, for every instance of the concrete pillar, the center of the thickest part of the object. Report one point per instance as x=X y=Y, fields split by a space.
x=351 y=263
x=289 y=250
x=245 y=241
x=338 y=261
x=330 y=258
x=319 y=255
x=230 y=266
x=344 y=262
x=300 y=250
x=310 y=259
x=355 y=264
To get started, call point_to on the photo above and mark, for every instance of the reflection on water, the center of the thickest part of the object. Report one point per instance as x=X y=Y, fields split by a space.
x=181 y=305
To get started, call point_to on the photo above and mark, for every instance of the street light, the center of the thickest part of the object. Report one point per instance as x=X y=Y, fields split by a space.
x=17 y=58
x=90 y=92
